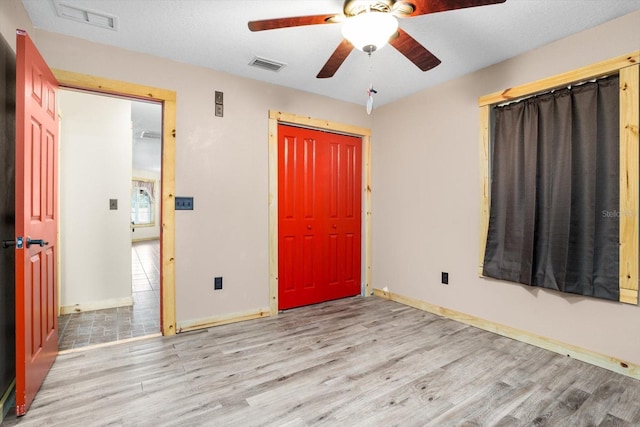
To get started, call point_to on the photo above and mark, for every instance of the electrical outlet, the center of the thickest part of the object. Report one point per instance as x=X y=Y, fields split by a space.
x=445 y=278
x=113 y=204
x=184 y=203
x=217 y=283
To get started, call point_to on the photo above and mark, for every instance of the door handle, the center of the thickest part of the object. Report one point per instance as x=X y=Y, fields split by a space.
x=36 y=242
x=8 y=243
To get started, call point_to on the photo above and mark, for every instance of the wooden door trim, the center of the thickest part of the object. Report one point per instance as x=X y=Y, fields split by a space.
x=278 y=117
x=71 y=80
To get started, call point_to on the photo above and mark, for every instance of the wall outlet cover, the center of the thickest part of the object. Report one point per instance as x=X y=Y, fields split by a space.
x=184 y=203
x=217 y=283
x=445 y=278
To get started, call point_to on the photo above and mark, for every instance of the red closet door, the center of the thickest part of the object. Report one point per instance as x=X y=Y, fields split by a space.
x=342 y=216
x=319 y=216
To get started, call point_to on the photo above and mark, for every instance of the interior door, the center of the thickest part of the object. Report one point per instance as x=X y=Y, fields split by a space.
x=319 y=216
x=342 y=215
x=36 y=221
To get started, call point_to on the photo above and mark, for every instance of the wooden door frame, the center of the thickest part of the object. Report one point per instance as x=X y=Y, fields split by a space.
x=71 y=80
x=276 y=118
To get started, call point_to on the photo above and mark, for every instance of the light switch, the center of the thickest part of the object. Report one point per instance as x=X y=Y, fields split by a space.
x=113 y=204
x=184 y=203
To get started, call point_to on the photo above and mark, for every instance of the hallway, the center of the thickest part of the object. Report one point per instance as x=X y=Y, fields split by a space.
x=89 y=328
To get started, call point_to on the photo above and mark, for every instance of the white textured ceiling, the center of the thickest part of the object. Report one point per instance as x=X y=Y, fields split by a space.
x=214 y=34
x=147 y=152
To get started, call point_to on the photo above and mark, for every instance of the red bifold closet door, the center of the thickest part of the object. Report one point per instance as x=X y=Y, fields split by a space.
x=319 y=216
x=36 y=221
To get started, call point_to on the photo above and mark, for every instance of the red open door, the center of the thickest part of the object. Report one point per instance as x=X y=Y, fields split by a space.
x=36 y=221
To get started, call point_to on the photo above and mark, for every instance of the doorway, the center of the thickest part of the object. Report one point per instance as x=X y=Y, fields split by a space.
x=110 y=172
x=167 y=98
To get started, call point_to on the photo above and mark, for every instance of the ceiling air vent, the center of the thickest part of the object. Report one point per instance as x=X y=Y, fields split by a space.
x=267 y=64
x=91 y=17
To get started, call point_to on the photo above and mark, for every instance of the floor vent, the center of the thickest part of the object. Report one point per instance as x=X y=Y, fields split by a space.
x=267 y=64
x=91 y=17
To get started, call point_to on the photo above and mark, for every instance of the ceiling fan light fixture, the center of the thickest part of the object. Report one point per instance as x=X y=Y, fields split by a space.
x=369 y=31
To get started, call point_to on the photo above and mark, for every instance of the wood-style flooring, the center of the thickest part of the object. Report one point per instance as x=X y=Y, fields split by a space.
x=352 y=362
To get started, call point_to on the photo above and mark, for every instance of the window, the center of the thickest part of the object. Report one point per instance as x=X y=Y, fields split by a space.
x=142 y=202
x=554 y=175
x=627 y=69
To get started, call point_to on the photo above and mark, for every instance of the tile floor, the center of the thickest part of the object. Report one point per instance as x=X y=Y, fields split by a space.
x=114 y=324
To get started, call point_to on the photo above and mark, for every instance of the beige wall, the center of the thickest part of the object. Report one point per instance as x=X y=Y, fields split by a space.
x=95 y=166
x=426 y=195
x=12 y=17
x=425 y=186
x=221 y=162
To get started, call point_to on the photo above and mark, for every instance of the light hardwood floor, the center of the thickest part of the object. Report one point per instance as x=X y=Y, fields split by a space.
x=352 y=362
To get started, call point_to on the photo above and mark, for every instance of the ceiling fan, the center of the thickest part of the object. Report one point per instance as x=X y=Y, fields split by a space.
x=370 y=24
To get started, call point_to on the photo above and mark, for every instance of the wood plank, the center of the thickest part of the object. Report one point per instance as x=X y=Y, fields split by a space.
x=223 y=320
x=629 y=80
x=588 y=72
x=485 y=190
x=597 y=359
x=366 y=207
x=355 y=361
x=313 y=123
x=595 y=408
x=627 y=407
x=273 y=215
x=167 y=219
x=100 y=84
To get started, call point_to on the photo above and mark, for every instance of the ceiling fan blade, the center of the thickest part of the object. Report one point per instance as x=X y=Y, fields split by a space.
x=423 y=7
x=414 y=51
x=335 y=61
x=296 y=21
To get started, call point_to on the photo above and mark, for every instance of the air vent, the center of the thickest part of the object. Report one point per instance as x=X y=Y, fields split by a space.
x=91 y=17
x=267 y=64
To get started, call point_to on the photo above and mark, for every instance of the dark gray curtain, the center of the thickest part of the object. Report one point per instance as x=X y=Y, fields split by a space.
x=554 y=215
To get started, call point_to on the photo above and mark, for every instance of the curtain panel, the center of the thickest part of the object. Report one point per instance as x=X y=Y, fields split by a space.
x=554 y=215
x=146 y=185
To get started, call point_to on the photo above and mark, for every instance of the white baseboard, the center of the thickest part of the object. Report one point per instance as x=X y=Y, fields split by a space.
x=96 y=305
x=601 y=360
x=207 y=322
x=145 y=239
